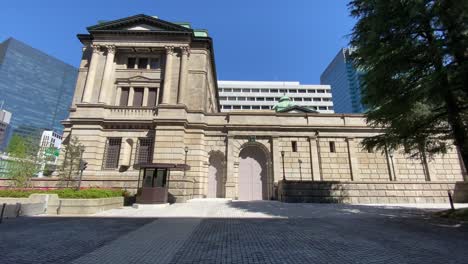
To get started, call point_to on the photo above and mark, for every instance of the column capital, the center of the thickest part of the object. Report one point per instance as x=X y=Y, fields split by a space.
x=185 y=50
x=111 y=49
x=169 y=50
x=96 y=48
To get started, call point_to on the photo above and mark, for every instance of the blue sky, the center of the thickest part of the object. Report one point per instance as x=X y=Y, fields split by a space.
x=253 y=40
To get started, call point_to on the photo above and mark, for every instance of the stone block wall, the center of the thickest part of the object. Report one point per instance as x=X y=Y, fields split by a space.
x=294 y=169
x=373 y=166
x=369 y=192
x=334 y=165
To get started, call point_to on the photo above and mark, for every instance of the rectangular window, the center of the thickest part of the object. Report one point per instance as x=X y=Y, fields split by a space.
x=236 y=90
x=124 y=96
x=332 y=146
x=138 y=96
x=255 y=90
x=273 y=90
x=293 y=91
x=228 y=107
x=246 y=90
x=152 y=97
x=240 y=98
x=142 y=63
x=246 y=107
x=260 y=98
x=322 y=108
x=265 y=107
x=112 y=153
x=270 y=99
x=302 y=91
x=297 y=99
x=307 y=99
x=294 y=146
x=131 y=63
x=317 y=99
x=227 y=90
x=250 y=98
x=283 y=91
x=311 y=91
x=154 y=63
x=237 y=107
x=232 y=98
x=144 y=150
x=222 y=98
x=256 y=107
x=320 y=91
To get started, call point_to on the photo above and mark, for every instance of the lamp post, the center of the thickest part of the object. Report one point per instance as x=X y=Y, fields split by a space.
x=186 y=151
x=282 y=157
x=300 y=169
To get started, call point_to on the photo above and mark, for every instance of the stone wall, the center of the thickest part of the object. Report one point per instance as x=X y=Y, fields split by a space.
x=335 y=165
x=370 y=192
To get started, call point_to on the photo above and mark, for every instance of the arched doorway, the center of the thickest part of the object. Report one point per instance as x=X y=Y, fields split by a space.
x=253 y=173
x=216 y=175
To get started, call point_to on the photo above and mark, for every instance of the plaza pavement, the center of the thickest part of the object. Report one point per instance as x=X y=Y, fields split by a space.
x=221 y=231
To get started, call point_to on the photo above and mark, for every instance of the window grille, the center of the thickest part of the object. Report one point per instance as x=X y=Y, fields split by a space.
x=144 y=150
x=112 y=153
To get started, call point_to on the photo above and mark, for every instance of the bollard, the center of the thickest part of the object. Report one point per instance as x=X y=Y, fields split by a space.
x=3 y=211
x=450 y=199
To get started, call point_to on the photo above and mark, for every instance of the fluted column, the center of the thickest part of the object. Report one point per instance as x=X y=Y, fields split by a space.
x=183 y=74
x=89 y=87
x=168 y=75
x=106 y=79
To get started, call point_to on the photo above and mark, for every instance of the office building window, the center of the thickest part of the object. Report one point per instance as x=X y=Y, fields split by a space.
x=273 y=90
x=302 y=91
x=283 y=91
x=236 y=90
x=332 y=146
x=270 y=99
x=256 y=107
x=260 y=98
x=222 y=98
x=265 y=107
x=311 y=91
x=320 y=91
x=322 y=108
x=250 y=98
x=297 y=99
x=246 y=90
x=112 y=153
x=154 y=63
x=317 y=100
x=236 y=107
x=293 y=91
x=138 y=96
x=124 y=96
x=142 y=63
x=152 y=97
x=255 y=90
x=144 y=151
x=307 y=99
x=131 y=63
x=232 y=98
x=245 y=107
x=227 y=90
x=240 y=98
x=294 y=146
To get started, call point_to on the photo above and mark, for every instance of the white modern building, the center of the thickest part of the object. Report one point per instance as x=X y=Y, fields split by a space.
x=259 y=95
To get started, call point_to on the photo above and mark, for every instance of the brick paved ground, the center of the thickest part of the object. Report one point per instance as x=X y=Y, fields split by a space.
x=323 y=234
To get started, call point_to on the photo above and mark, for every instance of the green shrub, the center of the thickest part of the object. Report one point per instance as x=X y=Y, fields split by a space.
x=65 y=193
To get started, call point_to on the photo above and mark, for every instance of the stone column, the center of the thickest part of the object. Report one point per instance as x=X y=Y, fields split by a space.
x=230 y=183
x=168 y=75
x=276 y=152
x=89 y=87
x=314 y=159
x=117 y=96
x=130 y=96
x=106 y=79
x=145 y=96
x=353 y=161
x=183 y=74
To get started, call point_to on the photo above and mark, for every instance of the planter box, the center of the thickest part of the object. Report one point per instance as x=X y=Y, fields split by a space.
x=83 y=206
x=51 y=204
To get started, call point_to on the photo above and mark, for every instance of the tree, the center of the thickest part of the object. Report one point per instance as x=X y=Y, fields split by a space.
x=71 y=162
x=414 y=59
x=24 y=161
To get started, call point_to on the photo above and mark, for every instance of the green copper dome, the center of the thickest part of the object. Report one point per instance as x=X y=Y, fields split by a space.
x=284 y=103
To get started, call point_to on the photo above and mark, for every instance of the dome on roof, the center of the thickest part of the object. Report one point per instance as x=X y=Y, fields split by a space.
x=284 y=98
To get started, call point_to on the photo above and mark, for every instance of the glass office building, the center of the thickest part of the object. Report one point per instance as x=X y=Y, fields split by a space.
x=36 y=88
x=343 y=78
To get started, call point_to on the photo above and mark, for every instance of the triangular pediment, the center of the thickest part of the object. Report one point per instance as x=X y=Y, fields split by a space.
x=139 y=23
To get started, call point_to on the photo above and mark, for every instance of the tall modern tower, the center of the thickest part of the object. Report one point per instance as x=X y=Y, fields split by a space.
x=36 y=88
x=344 y=80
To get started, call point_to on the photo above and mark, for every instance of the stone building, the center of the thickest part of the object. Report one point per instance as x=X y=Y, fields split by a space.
x=147 y=93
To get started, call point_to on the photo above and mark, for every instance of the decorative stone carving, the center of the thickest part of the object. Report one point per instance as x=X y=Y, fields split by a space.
x=169 y=50
x=185 y=50
x=96 y=48
x=111 y=49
